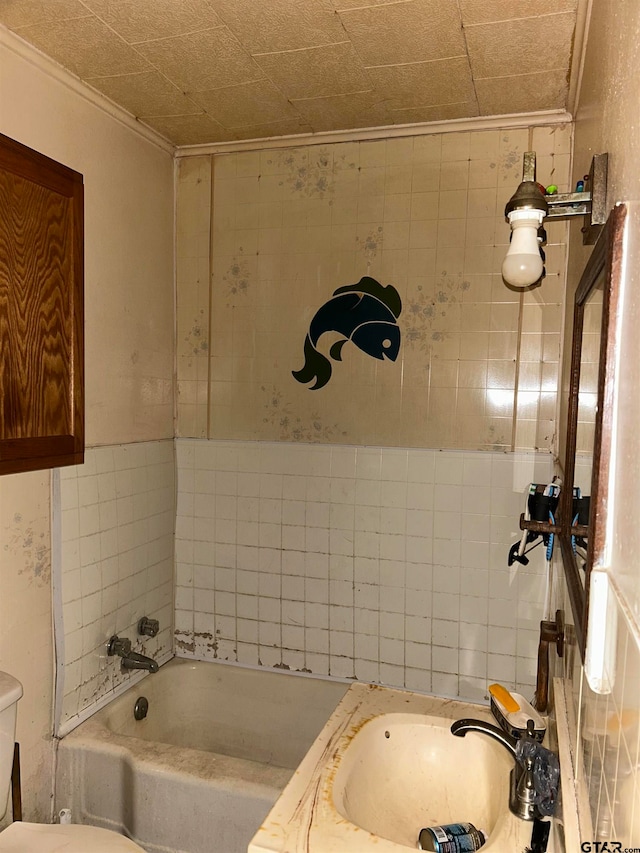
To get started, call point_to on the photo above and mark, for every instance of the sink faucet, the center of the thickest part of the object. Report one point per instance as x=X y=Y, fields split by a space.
x=523 y=795
x=130 y=660
x=461 y=727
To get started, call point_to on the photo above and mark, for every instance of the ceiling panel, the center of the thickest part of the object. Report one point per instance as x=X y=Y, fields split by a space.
x=424 y=84
x=143 y=20
x=412 y=31
x=258 y=102
x=281 y=24
x=200 y=71
x=343 y=112
x=528 y=92
x=146 y=93
x=201 y=61
x=481 y=11
x=511 y=48
x=332 y=69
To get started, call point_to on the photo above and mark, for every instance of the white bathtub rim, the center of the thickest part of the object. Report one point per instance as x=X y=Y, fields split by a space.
x=69 y=725
x=338 y=679
x=73 y=723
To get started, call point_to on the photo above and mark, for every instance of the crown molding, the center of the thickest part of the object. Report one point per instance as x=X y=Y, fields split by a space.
x=499 y=122
x=12 y=42
x=581 y=33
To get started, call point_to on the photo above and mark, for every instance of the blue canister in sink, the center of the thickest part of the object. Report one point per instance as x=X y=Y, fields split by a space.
x=451 y=838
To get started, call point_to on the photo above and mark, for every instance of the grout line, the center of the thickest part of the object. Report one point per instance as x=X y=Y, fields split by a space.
x=516 y=381
x=210 y=293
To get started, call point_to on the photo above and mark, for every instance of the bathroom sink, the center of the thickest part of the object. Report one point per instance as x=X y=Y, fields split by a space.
x=386 y=765
x=402 y=772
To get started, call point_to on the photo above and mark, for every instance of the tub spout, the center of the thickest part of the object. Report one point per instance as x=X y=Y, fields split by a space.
x=134 y=660
x=130 y=660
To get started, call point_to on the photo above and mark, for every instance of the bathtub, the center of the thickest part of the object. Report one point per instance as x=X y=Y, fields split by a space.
x=202 y=770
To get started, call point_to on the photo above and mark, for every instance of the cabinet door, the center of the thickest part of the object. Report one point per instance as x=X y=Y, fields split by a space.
x=41 y=311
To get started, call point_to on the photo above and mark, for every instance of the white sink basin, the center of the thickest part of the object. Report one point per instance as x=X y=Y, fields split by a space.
x=402 y=772
x=386 y=765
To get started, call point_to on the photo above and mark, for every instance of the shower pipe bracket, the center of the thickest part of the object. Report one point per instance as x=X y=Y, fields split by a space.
x=550 y=633
x=546 y=527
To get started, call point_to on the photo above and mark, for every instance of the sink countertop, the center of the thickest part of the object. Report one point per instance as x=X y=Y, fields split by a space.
x=305 y=819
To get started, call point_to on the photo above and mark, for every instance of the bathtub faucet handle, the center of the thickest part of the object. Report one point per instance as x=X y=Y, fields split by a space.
x=119 y=646
x=148 y=627
x=130 y=660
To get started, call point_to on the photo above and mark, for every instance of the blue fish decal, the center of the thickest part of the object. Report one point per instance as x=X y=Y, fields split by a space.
x=364 y=313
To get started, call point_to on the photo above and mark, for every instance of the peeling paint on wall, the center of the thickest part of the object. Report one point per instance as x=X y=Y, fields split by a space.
x=22 y=540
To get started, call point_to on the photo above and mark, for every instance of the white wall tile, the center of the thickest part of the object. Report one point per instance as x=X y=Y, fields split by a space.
x=117 y=561
x=343 y=574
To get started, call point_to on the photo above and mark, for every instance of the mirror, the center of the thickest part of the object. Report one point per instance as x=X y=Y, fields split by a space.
x=589 y=420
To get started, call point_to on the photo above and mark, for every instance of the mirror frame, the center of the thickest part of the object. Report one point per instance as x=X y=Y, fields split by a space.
x=604 y=268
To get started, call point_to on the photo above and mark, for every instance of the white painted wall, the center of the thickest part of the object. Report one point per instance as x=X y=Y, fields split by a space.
x=129 y=358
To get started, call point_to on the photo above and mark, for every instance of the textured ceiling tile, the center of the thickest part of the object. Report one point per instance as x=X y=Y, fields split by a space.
x=527 y=92
x=443 y=112
x=423 y=84
x=26 y=13
x=281 y=24
x=264 y=131
x=201 y=61
x=141 y=20
x=188 y=130
x=411 y=31
x=85 y=46
x=339 y=5
x=331 y=70
x=520 y=47
x=346 y=63
x=146 y=94
x=480 y=11
x=343 y=112
x=250 y=103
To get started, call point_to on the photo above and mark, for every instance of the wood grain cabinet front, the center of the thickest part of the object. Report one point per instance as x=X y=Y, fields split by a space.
x=41 y=311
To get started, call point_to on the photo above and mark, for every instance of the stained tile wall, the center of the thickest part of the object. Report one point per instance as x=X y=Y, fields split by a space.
x=607 y=737
x=276 y=232
x=117 y=525
x=608 y=726
x=358 y=556
x=376 y=563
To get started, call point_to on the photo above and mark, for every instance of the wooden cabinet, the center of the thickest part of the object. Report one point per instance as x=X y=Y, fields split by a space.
x=41 y=311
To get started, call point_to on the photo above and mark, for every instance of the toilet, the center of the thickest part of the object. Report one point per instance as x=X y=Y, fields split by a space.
x=22 y=837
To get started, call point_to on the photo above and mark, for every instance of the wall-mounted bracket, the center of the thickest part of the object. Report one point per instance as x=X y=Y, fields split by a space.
x=551 y=633
x=591 y=203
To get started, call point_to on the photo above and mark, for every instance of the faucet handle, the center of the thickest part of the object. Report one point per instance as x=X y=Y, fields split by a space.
x=119 y=646
x=148 y=627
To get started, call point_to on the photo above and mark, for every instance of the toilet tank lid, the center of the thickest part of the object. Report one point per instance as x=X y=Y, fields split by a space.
x=10 y=690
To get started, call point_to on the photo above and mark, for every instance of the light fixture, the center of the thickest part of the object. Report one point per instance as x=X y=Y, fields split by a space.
x=529 y=206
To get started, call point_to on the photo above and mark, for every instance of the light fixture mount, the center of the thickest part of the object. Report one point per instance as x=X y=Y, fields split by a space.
x=590 y=202
x=530 y=205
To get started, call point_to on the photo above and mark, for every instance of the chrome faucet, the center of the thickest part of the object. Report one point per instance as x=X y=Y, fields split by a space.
x=461 y=727
x=522 y=794
x=130 y=660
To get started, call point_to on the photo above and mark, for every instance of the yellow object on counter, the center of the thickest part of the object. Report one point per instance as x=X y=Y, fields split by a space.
x=502 y=695
x=513 y=712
